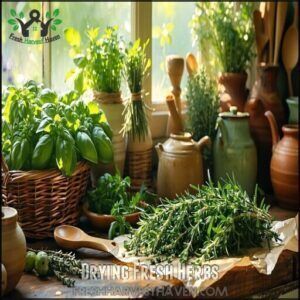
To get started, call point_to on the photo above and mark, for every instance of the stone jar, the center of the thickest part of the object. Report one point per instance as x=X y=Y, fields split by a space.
x=180 y=164
x=235 y=92
x=285 y=164
x=13 y=247
x=264 y=97
x=234 y=150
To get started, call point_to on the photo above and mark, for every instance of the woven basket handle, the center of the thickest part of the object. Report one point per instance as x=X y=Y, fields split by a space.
x=5 y=169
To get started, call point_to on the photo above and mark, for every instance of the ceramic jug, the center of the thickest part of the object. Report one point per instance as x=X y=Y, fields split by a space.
x=264 y=97
x=235 y=92
x=180 y=164
x=293 y=103
x=234 y=150
x=284 y=164
x=13 y=247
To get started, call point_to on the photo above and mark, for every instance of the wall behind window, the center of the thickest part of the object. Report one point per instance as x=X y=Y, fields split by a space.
x=171 y=35
x=20 y=62
x=80 y=15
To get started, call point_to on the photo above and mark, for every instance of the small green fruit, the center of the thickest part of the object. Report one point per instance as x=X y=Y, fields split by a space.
x=30 y=261
x=42 y=263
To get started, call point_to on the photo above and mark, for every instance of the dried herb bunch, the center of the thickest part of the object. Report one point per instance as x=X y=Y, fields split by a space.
x=214 y=222
x=63 y=265
x=136 y=69
x=203 y=105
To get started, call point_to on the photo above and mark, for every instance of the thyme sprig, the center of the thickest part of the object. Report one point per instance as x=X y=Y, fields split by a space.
x=215 y=221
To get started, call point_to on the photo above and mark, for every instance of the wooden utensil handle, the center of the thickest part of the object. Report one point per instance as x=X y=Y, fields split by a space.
x=175 y=122
x=100 y=244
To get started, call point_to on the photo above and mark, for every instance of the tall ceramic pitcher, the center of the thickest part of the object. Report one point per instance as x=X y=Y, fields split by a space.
x=234 y=150
x=285 y=164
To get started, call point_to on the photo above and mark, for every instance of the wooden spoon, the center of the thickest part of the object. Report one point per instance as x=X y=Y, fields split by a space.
x=262 y=8
x=174 y=125
x=261 y=38
x=191 y=64
x=290 y=50
x=71 y=237
x=280 y=21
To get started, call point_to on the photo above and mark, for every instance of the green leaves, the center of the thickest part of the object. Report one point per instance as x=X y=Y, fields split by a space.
x=48 y=96
x=103 y=145
x=55 y=12
x=42 y=152
x=72 y=36
x=86 y=147
x=57 y=21
x=65 y=156
x=12 y=21
x=13 y=12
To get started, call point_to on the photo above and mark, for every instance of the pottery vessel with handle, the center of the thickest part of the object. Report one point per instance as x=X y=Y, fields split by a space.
x=264 y=96
x=13 y=251
x=234 y=150
x=180 y=164
x=285 y=164
x=235 y=92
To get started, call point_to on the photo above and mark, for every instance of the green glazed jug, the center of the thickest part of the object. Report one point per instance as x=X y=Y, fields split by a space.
x=293 y=103
x=234 y=150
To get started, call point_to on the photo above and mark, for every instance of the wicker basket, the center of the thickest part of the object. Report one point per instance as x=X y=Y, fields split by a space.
x=44 y=199
x=139 y=168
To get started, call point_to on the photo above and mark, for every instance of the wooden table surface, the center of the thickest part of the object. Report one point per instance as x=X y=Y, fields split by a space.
x=239 y=282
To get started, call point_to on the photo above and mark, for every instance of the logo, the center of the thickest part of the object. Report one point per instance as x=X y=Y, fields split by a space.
x=36 y=30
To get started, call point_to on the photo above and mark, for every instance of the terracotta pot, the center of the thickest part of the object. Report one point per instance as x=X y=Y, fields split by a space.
x=13 y=247
x=285 y=164
x=180 y=164
x=264 y=97
x=235 y=93
x=103 y=221
x=234 y=150
x=113 y=107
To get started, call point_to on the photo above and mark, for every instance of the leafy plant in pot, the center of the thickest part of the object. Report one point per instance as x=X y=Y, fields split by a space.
x=202 y=109
x=226 y=28
x=139 y=148
x=101 y=67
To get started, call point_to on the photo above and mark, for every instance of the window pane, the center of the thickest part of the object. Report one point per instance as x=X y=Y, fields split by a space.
x=79 y=15
x=20 y=62
x=171 y=35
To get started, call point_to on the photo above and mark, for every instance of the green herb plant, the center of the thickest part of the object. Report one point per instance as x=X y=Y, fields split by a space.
x=100 y=65
x=42 y=130
x=215 y=221
x=224 y=30
x=136 y=69
x=202 y=108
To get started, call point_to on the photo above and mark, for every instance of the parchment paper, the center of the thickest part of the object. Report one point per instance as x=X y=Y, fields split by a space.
x=263 y=259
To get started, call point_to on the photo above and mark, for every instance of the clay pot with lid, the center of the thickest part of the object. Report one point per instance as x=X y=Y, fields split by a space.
x=264 y=97
x=234 y=150
x=285 y=164
x=180 y=164
x=13 y=251
x=235 y=92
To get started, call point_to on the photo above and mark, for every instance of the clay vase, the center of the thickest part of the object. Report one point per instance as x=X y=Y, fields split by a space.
x=13 y=247
x=113 y=107
x=264 y=97
x=293 y=103
x=235 y=92
x=180 y=164
x=234 y=150
x=285 y=164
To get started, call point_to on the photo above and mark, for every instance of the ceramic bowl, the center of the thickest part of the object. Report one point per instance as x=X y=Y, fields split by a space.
x=103 y=221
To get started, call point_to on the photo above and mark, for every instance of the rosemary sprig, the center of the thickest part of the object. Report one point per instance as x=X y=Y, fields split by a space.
x=136 y=69
x=215 y=221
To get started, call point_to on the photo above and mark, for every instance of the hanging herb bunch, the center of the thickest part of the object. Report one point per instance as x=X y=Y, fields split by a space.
x=213 y=222
x=137 y=67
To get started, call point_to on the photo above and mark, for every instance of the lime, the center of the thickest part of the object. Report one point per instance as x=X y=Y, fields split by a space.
x=30 y=260
x=42 y=263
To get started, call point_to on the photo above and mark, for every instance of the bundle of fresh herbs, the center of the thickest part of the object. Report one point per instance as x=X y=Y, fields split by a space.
x=49 y=262
x=215 y=221
x=203 y=105
x=136 y=69
x=224 y=31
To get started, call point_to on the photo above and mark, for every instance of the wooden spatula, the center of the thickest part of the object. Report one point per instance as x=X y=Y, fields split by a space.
x=280 y=21
x=271 y=21
x=191 y=64
x=290 y=49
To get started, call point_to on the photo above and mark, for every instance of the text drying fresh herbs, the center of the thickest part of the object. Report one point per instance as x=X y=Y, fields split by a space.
x=112 y=196
x=42 y=130
x=214 y=222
